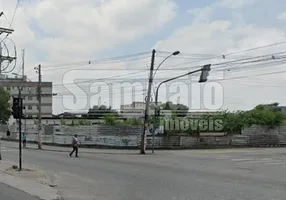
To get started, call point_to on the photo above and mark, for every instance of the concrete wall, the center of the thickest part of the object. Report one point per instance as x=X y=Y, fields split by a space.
x=101 y=129
x=65 y=121
x=130 y=137
x=264 y=135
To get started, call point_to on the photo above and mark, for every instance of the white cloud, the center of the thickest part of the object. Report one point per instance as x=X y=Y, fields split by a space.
x=201 y=14
x=74 y=29
x=218 y=37
x=282 y=16
x=237 y=3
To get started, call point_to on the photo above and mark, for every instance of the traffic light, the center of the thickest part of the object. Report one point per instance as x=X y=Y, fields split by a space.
x=17 y=107
x=205 y=73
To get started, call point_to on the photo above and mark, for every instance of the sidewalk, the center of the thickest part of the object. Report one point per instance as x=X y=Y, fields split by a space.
x=13 y=144
x=32 y=180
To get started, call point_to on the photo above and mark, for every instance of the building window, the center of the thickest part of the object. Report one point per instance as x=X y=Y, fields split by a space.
x=30 y=98
x=37 y=107
x=30 y=108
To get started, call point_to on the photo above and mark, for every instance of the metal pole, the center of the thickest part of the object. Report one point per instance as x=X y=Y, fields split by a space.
x=0 y=151
x=23 y=63
x=20 y=129
x=156 y=101
x=25 y=130
x=143 y=138
x=23 y=75
x=156 y=115
x=40 y=108
x=155 y=127
x=0 y=58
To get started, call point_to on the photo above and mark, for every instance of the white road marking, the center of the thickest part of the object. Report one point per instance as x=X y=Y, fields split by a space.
x=242 y=159
x=3 y=149
x=276 y=163
x=254 y=161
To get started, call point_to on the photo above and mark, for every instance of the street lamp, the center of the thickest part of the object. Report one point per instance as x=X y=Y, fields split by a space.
x=173 y=54
x=152 y=74
x=203 y=78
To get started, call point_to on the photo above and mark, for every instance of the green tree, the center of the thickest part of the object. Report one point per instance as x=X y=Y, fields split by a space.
x=110 y=118
x=72 y=123
x=97 y=112
x=179 y=110
x=270 y=117
x=133 y=122
x=233 y=122
x=5 y=111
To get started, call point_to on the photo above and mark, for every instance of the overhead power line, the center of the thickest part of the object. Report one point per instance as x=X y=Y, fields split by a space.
x=214 y=69
x=129 y=58
x=130 y=93
x=101 y=61
x=232 y=78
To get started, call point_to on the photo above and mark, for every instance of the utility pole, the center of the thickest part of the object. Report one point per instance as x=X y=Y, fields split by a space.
x=23 y=63
x=0 y=59
x=148 y=97
x=4 y=58
x=23 y=74
x=20 y=127
x=39 y=106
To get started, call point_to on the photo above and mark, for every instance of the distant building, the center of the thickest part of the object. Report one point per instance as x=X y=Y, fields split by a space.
x=137 y=110
x=281 y=109
x=190 y=114
x=29 y=95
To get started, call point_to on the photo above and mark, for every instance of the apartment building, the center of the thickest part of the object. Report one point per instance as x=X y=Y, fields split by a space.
x=29 y=95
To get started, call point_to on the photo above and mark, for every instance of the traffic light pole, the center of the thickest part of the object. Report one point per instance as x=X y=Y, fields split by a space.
x=203 y=78
x=20 y=129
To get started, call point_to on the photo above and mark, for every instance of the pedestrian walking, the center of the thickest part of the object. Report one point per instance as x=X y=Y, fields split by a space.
x=74 y=145
x=8 y=134
x=24 y=139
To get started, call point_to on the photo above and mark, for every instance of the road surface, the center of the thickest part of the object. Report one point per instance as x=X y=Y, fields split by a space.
x=179 y=176
x=9 y=193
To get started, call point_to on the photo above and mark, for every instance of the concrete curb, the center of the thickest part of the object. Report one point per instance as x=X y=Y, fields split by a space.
x=86 y=152
x=173 y=148
x=32 y=187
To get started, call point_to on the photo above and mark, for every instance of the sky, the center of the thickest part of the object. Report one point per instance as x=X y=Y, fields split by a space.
x=90 y=49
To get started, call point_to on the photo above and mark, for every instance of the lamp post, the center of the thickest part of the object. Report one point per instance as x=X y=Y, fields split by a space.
x=151 y=78
x=173 y=54
x=203 y=78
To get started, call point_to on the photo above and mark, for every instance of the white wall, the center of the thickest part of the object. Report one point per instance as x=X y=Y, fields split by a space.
x=30 y=101
x=58 y=121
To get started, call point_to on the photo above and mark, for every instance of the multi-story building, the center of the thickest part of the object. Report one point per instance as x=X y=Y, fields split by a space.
x=29 y=94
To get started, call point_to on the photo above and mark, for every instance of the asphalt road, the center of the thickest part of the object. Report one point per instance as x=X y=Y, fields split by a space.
x=9 y=193
x=179 y=176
